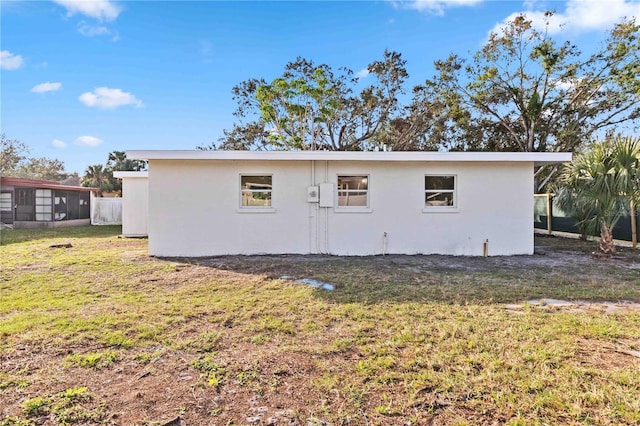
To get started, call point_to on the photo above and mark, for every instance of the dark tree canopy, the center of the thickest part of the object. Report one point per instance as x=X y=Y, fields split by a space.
x=99 y=176
x=118 y=161
x=541 y=95
x=313 y=107
x=524 y=91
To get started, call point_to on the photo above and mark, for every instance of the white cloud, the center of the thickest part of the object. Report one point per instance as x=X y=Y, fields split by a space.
x=46 y=87
x=57 y=143
x=567 y=84
x=363 y=73
x=538 y=20
x=89 y=30
x=579 y=15
x=103 y=10
x=90 y=141
x=599 y=15
x=107 y=98
x=10 y=61
x=435 y=7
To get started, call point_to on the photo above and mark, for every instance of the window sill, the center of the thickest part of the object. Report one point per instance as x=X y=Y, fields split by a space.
x=353 y=210
x=256 y=210
x=436 y=209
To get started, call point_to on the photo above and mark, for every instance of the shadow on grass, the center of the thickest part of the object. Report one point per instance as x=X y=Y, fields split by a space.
x=13 y=236
x=559 y=273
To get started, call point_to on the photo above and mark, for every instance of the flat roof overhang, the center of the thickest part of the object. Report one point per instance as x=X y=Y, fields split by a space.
x=131 y=174
x=42 y=184
x=538 y=158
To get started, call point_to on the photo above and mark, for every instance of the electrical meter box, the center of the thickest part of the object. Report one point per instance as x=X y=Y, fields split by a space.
x=313 y=194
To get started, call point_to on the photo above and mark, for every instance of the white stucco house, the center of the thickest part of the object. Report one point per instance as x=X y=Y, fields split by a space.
x=205 y=203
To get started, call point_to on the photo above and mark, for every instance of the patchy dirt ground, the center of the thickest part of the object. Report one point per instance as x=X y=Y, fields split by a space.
x=560 y=268
x=568 y=255
x=271 y=382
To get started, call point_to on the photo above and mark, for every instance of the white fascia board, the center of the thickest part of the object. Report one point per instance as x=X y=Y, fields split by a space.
x=131 y=174
x=538 y=158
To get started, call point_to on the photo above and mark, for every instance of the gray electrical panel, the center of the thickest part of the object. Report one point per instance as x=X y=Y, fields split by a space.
x=326 y=195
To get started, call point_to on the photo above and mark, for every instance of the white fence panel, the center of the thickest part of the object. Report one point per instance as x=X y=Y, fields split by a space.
x=106 y=211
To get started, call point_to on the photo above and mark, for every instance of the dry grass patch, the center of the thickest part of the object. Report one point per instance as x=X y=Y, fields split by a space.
x=101 y=333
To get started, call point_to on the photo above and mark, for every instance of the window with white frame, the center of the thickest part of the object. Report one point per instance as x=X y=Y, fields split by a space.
x=256 y=191
x=43 y=205
x=353 y=191
x=5 y=202
x=440 y=191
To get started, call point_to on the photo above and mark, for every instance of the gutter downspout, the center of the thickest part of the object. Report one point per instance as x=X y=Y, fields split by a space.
x=313 y=209
x=326 y=215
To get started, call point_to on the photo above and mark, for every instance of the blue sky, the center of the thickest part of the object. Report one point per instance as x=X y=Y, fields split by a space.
x=80 y=79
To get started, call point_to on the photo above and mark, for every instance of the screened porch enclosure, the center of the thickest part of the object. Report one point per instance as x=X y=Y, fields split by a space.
x=31 y=203
x=46 y=205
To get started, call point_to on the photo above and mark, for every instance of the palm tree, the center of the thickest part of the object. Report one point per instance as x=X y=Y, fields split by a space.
x=598 y=186
x=98 y=177
x=118 y=161
x=581 y=209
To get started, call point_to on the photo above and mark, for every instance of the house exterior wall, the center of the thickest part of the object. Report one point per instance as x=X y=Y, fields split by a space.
x=135 y=206
x=194 y=209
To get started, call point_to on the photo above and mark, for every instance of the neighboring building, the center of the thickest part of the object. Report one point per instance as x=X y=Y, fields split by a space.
x=72 y=181
x=30 y=203
x=204 y=203
x=135 y=201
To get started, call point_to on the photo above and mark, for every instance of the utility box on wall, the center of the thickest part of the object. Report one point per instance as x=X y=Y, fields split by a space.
x=313 y=194
x=326 y=195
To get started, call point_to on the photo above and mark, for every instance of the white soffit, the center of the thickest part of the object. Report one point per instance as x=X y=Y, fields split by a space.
x=130 y=174
x=538 y=158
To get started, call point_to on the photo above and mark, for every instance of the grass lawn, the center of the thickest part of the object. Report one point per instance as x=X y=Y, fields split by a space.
x=100 y=333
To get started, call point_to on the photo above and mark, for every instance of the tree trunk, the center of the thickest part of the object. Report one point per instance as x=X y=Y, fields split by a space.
x=606 y=245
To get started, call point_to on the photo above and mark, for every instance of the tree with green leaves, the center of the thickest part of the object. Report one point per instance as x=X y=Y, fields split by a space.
x=100 y=176
x=14 y=161
x=243 y=137
x=598 y=186
x=97 y=176
x=524 y=91
x=118 y=161
x=313 y=107
x=42 y=168
x=12 y=154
